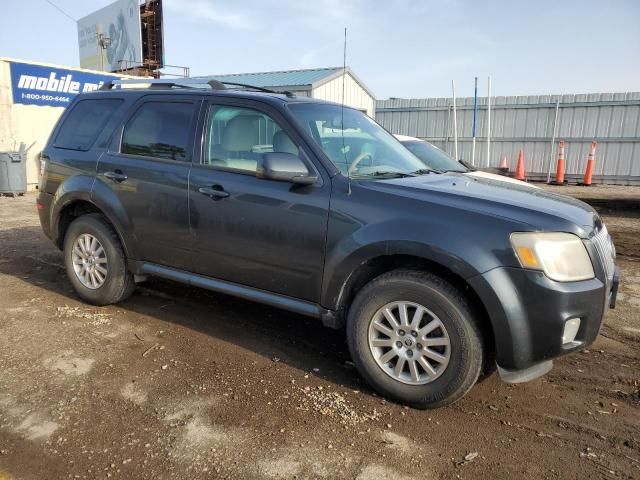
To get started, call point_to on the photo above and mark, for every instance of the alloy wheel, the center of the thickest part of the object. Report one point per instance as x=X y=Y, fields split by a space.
x=89 y=261
x=409 y=342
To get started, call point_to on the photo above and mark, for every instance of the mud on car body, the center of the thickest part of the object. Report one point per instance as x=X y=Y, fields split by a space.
x=436 y=278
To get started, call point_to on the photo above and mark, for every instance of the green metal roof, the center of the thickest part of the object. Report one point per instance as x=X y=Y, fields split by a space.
x=290 y=78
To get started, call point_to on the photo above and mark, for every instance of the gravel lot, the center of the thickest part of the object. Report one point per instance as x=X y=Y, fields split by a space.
x=182 y=383
x=600 y=192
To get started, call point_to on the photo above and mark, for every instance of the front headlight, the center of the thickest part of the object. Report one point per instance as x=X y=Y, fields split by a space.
x=561 y=256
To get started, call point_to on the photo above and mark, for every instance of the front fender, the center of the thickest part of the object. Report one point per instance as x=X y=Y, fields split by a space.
x=462 y=247
x=339 y=270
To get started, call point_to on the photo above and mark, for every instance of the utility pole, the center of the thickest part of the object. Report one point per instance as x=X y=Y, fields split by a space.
x=103 y=42
x=488 y=121
x=455 y=122
x=475 y=111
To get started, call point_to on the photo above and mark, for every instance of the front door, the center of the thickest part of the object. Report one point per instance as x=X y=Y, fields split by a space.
x=147 y=169
x=261 y=233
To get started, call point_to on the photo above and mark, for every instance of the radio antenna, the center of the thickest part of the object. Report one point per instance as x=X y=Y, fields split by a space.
x=344 y=74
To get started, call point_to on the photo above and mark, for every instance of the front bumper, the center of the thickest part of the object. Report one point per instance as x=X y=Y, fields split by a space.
x=613 y=291
x=528 y=312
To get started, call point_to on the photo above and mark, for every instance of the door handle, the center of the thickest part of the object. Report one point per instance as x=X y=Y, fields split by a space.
x=116 y=176
x=216 y=192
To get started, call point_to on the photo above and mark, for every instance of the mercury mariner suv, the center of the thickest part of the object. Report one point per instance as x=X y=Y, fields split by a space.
x=437 y=279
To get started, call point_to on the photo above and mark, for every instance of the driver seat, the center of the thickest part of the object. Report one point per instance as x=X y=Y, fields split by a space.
x=283 y=143
x=240 y=135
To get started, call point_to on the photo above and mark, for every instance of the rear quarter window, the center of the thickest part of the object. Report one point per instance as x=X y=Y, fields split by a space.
x=84 y=123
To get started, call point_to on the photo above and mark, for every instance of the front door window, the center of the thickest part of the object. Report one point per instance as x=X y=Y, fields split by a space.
x=236 y=138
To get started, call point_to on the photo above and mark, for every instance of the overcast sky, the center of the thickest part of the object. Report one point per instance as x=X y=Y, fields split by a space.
x=399 y=48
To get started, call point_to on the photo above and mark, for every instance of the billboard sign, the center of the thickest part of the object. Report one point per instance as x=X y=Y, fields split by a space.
x=120 y=23
x=50 y=86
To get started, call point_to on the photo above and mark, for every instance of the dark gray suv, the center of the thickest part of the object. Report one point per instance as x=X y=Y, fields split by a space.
x=437 y=278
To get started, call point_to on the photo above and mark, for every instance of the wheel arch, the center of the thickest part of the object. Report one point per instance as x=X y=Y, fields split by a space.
x=378 y=265
x=67 y=214
x=81 y=195
x=76 y=208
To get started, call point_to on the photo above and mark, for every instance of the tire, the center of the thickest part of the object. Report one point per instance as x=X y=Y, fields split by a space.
x=117 y=284
x=489 y=366
x=457 y=330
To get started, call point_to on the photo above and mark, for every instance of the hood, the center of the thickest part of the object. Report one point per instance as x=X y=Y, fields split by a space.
x=500 y=178
x=517 y=201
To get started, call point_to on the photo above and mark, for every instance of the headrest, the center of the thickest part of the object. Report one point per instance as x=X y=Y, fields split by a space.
x=241 y=133
x=368 y=147
x=282 y=143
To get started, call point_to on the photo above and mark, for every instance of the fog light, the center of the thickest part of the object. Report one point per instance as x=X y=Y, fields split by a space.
x=571 y=328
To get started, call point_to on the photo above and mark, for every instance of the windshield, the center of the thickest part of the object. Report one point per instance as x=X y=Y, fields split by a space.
x=361 y=148
x=433 y=157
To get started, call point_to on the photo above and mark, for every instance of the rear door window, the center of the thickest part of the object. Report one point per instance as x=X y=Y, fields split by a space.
x=160 y=130
x=85 y=122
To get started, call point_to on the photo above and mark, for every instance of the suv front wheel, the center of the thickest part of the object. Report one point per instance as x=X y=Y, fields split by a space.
x=95 y=261
x=413 y=338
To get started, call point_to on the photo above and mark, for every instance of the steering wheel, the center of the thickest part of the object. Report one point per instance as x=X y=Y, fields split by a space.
x=357 y=160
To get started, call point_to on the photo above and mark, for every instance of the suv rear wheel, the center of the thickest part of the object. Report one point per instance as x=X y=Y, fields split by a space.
x=95 y=261
x=413 y=338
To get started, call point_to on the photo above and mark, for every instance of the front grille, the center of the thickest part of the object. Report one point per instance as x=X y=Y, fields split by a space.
x=604 y=247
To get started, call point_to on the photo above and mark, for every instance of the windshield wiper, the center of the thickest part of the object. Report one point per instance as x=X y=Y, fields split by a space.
x=384 y=174
x=425 y=171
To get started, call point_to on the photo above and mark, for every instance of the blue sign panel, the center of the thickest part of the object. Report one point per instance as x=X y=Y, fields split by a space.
x=55 y=87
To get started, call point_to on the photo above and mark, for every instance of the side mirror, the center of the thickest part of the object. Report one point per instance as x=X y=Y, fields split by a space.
x=285 y=167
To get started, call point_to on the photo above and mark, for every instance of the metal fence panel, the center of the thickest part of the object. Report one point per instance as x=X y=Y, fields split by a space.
x=527 y=122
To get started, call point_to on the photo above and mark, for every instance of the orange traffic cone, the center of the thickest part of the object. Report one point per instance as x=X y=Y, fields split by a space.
x=503 y=164
x=588 y=174
x=560 y=169
x=520 y=167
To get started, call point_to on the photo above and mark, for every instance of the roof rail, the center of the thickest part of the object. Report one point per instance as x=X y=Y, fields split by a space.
x=260 y=89
x=216 y=85
x=154 y=83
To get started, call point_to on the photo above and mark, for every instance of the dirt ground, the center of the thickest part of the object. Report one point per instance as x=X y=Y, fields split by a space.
x=596 y=191
x=182 y=383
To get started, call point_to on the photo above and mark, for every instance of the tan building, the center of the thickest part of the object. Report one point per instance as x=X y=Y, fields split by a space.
x=32 y=98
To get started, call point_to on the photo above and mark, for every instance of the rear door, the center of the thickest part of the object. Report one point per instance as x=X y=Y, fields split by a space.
x=261 y=233
x=147 y=172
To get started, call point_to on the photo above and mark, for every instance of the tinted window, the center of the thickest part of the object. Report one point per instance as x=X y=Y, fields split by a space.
x=236 y=138
x=85 y=122
x=159 y=129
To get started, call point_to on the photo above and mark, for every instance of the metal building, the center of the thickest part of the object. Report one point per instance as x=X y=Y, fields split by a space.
x=322 y=83
x=529 y=123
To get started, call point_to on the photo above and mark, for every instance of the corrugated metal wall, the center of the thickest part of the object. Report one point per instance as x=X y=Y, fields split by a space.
x=527 y=122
